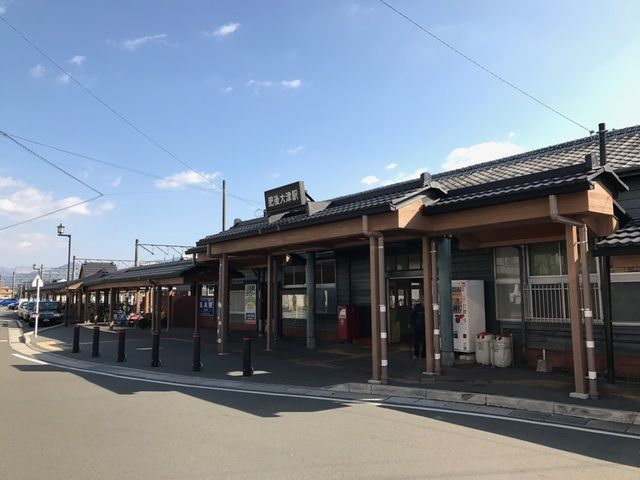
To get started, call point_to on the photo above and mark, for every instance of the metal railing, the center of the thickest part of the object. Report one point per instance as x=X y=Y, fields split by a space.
x=549 y=302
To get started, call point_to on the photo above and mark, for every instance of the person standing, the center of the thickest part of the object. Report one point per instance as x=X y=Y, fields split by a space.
x=417 y=323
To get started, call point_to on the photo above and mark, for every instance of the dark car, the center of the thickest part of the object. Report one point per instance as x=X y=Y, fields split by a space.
x=49 y=313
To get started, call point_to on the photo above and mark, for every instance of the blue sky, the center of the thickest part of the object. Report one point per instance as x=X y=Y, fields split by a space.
x=344 y=95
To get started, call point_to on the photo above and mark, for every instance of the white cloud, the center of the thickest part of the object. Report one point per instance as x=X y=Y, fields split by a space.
x=370 y=180
x=25 y=242
x=295 y=150
x=37 y=71
x=3 y=9
x=183 y=179
x=133 y=43
x=391 y=166
x=479 y=153
x=78 y=60
x=227 y=89
x=223 y=31
x=116 y=182
x=291 y=83
x=402 y=176
x=63 y=78
x=6 y=182
x=276 y=175
x=296 y=83
x=31 y=202
x=511 y=134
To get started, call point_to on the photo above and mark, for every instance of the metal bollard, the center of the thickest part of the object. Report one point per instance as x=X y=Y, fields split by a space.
x=76 y=339
x=96 y=342
x=121 y=337
x=155 y=349
x=247 y=369
x=196 y=352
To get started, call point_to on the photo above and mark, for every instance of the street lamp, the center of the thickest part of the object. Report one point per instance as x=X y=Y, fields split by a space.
x=62 y=234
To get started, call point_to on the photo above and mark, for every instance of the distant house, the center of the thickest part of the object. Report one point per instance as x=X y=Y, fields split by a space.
x=91 y=268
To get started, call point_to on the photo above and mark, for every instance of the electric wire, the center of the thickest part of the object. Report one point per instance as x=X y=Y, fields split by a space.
x=482 y=67
x=115 y=112
x=32 y=219
x=103 y=162
x=49 y=162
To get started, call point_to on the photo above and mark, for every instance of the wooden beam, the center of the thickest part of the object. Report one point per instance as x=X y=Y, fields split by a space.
x=525 y=212
x=297 y=238
x=577 y=337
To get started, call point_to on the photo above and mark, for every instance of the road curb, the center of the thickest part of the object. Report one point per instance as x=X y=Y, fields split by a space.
x=24 y=344
x=513 y=403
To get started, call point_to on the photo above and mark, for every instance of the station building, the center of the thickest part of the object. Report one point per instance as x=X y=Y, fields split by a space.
x=532 y=228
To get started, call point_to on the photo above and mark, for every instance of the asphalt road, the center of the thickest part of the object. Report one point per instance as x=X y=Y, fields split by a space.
x=57 y=424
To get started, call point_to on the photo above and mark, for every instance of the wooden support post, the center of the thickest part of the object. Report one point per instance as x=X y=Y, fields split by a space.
x=112 y=298
x=427 y=301
x=375 y=317
x=223 y=303
x=269 y=326
x=577 y=337
x=87 y=301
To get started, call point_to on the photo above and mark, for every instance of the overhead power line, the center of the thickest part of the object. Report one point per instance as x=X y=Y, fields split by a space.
x=117 y=113
x=49 y=162
x=480 y=66
x=32 y=219
x=103 y=162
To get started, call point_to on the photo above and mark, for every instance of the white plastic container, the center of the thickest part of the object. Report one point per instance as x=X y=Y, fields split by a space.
x=501 y=350
x=483 y=348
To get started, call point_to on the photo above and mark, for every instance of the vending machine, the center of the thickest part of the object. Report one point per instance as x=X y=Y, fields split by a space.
x=467 y=298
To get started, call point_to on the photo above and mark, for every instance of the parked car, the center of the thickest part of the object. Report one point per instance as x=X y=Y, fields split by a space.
x=23 y=309
x=13 y=306
x=6 y=301
x=49 y=313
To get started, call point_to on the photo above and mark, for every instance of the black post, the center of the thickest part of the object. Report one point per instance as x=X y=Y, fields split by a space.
x=121 y=336
x=76 y=338
x=96 y=342
x=196 y=352
x=155 y=349
x=605 y=285
x=247 y=370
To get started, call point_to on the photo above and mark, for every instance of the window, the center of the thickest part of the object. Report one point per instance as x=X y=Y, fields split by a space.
x=326 y=301
x=236 y=301
x=325 y=272
x=294 y=275
x=508 y=287
x=294 y=306
x=547 y=259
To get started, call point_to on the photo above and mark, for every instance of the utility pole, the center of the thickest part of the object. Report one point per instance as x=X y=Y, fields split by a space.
x=13 y=284
x=136 y=258
x=224 y=204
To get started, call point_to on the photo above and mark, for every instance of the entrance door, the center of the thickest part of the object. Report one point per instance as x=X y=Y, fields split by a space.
x=404 y=293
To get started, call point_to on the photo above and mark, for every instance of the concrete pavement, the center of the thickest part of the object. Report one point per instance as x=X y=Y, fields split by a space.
x=290 y=370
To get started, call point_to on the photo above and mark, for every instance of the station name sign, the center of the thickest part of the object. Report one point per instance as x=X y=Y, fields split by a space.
x=285 y=198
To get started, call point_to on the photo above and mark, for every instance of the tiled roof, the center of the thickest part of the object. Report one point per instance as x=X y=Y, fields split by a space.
x=146 y=272
x=566 y=180
x=628 y=237
x=91 y=268
x=623 y=153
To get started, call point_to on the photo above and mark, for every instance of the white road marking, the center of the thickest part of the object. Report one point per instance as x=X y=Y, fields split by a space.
x=340 y=400
x=29 y=359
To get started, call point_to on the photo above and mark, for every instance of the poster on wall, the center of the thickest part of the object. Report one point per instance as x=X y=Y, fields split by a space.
x=207 y=305
x=250 y=303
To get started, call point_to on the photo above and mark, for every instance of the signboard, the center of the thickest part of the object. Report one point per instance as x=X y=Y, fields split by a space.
x=286 y=198
x=37 y=282
x=207 y=306
x=250 y=303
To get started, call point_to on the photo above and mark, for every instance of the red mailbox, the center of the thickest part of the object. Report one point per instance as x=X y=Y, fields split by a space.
x=347 y=322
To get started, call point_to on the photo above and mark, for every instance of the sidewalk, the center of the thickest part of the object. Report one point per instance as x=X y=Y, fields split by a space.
x=346 y=368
